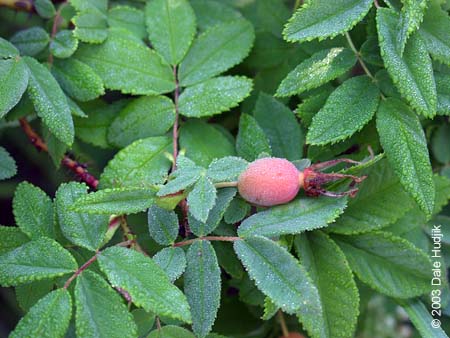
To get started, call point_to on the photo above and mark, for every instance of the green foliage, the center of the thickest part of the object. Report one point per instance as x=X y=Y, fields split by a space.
x=321 y=67
x=48 y=318
x=94 y=298
x=321 y=19
x=202 y=286
x=26 y=263
x=157 y=107
x=148 y=286
x=405 y=145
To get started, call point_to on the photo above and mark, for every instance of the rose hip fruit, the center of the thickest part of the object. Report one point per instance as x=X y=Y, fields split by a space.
x=269 y=181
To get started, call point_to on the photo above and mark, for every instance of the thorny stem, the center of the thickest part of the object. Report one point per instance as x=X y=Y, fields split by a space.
x=175 y=124
x=284 y=328
x=78 y=169
x=208 y=238
x=358 y=55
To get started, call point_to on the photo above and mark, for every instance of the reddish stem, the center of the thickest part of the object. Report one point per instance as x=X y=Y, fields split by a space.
x=80 y=270
x=78 y=169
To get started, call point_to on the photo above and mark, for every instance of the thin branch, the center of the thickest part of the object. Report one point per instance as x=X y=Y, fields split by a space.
x=358 y=55
x=56 y=22
x=284 y=328
x=175 y=124
x=207 y=238
x=80 y=270
x=78 y=169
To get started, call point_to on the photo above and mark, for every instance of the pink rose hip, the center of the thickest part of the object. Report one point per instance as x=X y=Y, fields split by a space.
x=269 y=181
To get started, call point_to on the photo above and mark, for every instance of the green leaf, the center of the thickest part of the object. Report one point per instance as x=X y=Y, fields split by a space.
x=27 y=263
x=87 y=231
x=99 y=6
x=380 y=201
x=29 y=294
x=148 y=286
x=128 y=66
x=11 y=238
x=142 y=163
x=251 y=140
x=435 y=31
x=278 y=275
x=14 y=79
x=404 y=142
x=31 y=41
x=420 y=316
x=280 y=126
x=163 y=225
x=94 y=298
x=226 y=169
x=214 y=96
x=33 y=211
x=8 y=167
x=411 y=17
x=236 y=211
x=171 y=27
x=389 y=264
x=320 y=68
x=202 y=286
x=90 y=26
x=129 y=18
x=294 y=217
x=116 y=201
x=171 y=331
x=186 y=174
x=94 y=128
x=49 y=318
x=64 y=44
x=313 y=103
x=143 y=117
x=202 y=199
x=347 y=110
x=7 y=49
x=44 y=8
x=202 y=150
x=144 y=321
x=227 y=259
x=411 y=73
x=322 y=19
x=223 y=200
x=77 y=79
x=210 y=13
x=216 y=50
x=49 y=101
x=329 y=269
x=172 y=260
